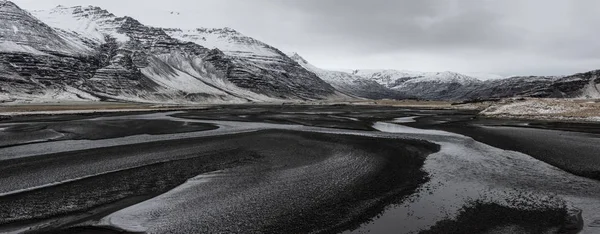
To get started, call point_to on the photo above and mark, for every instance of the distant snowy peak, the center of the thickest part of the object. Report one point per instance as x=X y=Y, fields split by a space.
x=394 y=78
x=308 y=66
x=348 y=83
x=230 y=41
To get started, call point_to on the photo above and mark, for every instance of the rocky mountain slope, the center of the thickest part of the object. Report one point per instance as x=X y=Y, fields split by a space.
x=37 y=60
x=253 y=64
x=88 y=53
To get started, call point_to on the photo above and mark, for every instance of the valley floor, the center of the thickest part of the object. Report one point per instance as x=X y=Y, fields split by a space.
x=296 y=168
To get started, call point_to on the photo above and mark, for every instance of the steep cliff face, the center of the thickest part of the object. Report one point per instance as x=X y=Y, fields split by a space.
x=39 y=61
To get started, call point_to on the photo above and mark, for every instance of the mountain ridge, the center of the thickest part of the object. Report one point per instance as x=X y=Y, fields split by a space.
x=88 y=53
x=130 y=61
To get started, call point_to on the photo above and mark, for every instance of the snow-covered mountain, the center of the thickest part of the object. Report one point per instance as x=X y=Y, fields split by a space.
x=39 y=61
x=95 y=55
x=350 y=84
x=424 y=85
x=253 y=63
x=456 y=86
x=88 y=53
x=396 y=78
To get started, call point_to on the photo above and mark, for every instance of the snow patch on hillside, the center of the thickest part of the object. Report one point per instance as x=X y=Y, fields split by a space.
x=554 y=109
x=174 y=79
x=48 y=95
x=591 y=90
x=530 y=107
x=9 y=46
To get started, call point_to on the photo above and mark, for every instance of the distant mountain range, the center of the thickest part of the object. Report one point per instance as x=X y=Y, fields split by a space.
x=89 y=54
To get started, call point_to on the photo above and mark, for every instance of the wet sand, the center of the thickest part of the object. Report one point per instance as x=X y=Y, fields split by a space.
x=379 y=171
x=333 y=173
x=572 y=147
x=78 y=128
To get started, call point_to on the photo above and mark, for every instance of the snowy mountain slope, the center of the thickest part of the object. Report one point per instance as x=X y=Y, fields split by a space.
x=507 y=87
x=142 y=63
x=39 y=61
x=252 y=62
x=92 y=23
x=22 y=28
x=350 y=84
x=229 y=41
x=456 y=86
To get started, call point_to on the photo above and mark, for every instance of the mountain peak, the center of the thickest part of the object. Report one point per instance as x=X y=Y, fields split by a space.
x=296 y=57
x=6 y=2
x=8 y=6
x=81 y=11
x=225 y=30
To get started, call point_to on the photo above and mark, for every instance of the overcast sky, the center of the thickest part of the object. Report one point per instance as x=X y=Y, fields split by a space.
x=507 y=37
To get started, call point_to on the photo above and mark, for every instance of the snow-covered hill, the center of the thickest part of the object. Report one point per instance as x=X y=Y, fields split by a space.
x=457 y=86
x=424 y=85
x=395 y=78
x=349 y=83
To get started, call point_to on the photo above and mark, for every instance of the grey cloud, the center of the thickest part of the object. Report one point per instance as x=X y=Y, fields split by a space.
x=384 y=26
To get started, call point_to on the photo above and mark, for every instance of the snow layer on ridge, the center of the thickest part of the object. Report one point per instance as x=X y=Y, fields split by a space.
x=330 y=76
x=227 y=40
x=390 y=78
x=49 y=95
x=89 y=22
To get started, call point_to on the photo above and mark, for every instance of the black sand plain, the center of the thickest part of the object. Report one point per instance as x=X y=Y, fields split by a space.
x=150 y=169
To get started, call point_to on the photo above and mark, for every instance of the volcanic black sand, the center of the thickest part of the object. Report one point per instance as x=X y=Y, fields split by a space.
x=397 y=173
x=573 y=147
x=488 y=217
x=338 y=116
x=298 y=182
x=85 y=129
